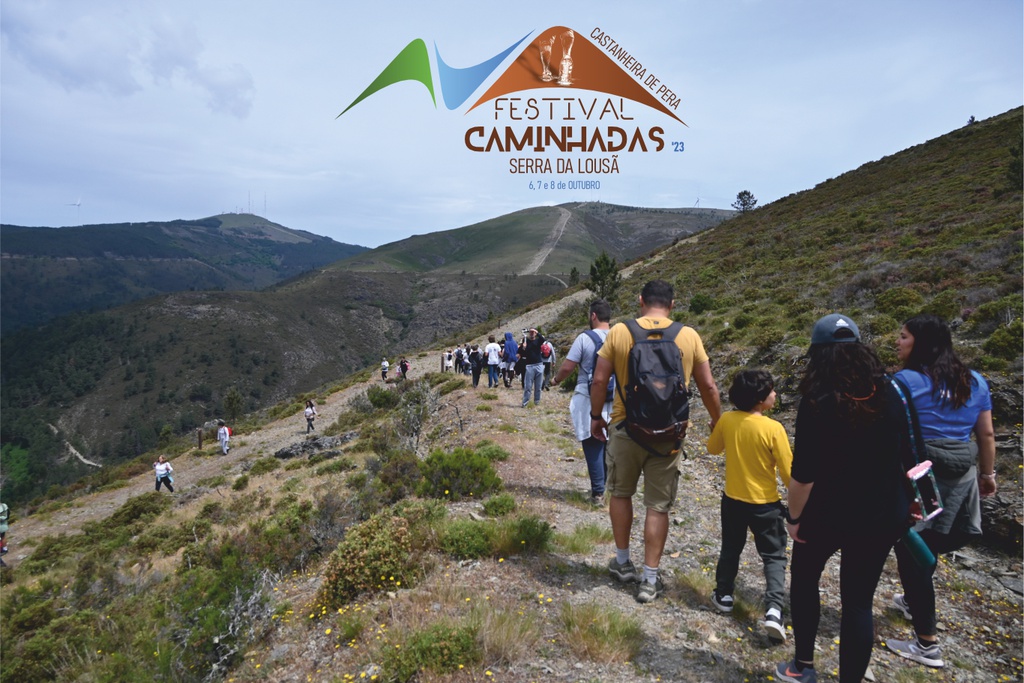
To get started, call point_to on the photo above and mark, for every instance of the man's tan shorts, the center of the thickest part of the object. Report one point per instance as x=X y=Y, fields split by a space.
x=626 y=460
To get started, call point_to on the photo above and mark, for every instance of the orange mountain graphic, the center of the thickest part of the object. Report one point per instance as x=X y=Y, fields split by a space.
x=592 y=69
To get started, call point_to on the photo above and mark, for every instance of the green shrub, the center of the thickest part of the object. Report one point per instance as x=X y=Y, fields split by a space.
x=241 y=483
x=140 y=508
x=882 y=324
x=483 y=408
x=500 y=505
x=899 y=302
x=375 y=555
x=439 y=648
x=742 y=320
x=465 y=539
x=701 y=302
x=264 y=465
x=519 y=535
x=945 y=304
x=356 y=480
x=399 y=475
x=990 y=315
x=491 y=450
x=1005 y=342
x=381 y=398
x=451 y=385
x=457 y=473
x=336 y=467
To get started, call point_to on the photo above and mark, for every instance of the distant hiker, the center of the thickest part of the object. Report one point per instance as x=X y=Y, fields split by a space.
x=459 y=358
x=447 y=360
x=384 y=367
x=756 y=447
x=476 y=363
x=952 y=401
x=403 y=368
x=493 y=354
x=5 y=514
x=581 y=357
x=547 y=357
x=847 y=492
x=509 y=356
x=310 y=415
x=627 y=459
x=467 y=368
x=534 y=376
x=163 y=473
x=223 y=436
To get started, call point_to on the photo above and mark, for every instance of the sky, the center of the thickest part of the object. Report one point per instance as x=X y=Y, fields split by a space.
x=115 y=111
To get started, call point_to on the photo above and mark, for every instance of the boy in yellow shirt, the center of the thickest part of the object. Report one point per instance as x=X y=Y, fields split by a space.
x=755 y=448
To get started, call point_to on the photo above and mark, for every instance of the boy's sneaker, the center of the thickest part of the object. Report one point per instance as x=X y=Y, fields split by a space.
x=649 y=591
x=900 y=601
x=773 y=627
x=722 y=602
x=913 y=650
x=786 y=671
x=625 y=572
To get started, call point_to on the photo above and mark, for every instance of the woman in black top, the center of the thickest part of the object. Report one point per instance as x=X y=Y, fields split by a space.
x=847 y=492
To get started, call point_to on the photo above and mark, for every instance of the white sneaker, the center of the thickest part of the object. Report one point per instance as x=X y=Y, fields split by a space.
x=773 y=627
x=900 y=601
x=912 y=650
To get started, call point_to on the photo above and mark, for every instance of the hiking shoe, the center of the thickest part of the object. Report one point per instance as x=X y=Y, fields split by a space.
x=786 y=671
x=773 y=627
x=597 y=500
x=912 y=650
x=649 y=591
x=625 y=572
x=722 y=602
x=900 y=601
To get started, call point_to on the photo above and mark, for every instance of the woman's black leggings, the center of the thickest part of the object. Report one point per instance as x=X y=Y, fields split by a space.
x=166 y=482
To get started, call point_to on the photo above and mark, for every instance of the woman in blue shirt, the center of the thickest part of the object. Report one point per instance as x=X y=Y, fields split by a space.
x=951 y=402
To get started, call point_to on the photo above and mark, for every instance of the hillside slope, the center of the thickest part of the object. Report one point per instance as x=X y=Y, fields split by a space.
x=549 y=614
x=569 y=235
x=49 y=272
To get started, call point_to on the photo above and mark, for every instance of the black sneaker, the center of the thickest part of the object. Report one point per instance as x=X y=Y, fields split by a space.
x=722 y=602
x=786 y=671
x=773 y=627
x=625 y=572
x=649 y=591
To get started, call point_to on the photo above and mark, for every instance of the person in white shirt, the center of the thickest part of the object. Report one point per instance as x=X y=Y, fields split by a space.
x=310 y=415
x=583 y=355
x=223 y=436
x=384 y=366
x=163 y=473
x=493 y=353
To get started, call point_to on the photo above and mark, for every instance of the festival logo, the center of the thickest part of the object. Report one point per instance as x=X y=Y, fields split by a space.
x=534 y=107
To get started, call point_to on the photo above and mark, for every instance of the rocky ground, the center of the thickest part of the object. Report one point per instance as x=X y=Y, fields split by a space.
x=685 y=639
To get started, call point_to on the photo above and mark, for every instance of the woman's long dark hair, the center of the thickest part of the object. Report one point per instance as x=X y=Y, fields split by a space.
x=849 y=374
x=933 y=355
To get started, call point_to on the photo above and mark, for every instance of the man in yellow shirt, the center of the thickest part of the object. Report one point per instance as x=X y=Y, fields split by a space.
x=626 y=459
x=756 y=447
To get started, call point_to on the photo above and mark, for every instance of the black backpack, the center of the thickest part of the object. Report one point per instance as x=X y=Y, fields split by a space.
x=655 y=396
x=598 y=343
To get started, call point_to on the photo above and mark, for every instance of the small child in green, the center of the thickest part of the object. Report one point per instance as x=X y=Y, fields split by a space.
x=755 y=448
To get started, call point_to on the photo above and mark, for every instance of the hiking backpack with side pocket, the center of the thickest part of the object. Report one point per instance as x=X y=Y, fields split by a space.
x=598 y=343
x=654 y=394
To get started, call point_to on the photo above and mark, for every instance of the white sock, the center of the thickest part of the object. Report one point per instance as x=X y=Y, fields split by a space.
x=650 y=574
x=622 y=556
